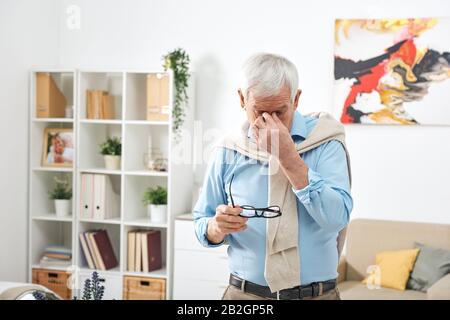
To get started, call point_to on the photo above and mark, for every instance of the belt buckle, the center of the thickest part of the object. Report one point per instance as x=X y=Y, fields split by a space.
x=317 y=289
x=243 y=285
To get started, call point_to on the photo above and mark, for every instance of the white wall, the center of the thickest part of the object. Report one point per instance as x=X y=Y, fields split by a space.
x=28 y=37
x=399 y=172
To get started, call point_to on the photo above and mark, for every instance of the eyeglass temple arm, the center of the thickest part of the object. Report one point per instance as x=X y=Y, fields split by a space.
x=229 y=191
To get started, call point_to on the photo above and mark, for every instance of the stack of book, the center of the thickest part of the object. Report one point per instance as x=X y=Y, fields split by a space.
x=144 y=250
x=97 y=250
x=100 y=105
x=55 y=256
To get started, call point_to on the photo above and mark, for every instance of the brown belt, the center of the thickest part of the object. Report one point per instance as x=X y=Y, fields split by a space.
x=314 y=289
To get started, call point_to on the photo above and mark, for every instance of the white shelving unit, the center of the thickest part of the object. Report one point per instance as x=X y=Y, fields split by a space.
x=130 y=124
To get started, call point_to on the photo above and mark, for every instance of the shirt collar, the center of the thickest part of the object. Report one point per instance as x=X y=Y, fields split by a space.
x=298 y=129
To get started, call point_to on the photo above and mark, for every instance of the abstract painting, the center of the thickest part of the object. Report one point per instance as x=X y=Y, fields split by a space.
x=392 y=71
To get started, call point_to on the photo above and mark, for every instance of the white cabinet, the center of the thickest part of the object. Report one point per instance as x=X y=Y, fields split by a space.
x=112 y=283
x=199 y=273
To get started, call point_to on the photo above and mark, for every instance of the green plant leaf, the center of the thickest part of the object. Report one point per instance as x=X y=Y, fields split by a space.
x=178 y=61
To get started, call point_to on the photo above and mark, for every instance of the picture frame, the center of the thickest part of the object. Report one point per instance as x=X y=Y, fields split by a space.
x=58 y=147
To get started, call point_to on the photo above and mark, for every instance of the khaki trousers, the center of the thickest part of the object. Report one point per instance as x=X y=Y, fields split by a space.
x=233 y=293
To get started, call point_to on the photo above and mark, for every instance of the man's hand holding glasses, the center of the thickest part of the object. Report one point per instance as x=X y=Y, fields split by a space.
x=229 y=219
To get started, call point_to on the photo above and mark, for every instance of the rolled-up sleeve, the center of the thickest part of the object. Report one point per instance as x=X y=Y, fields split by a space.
x=211 y=196
x=327 y=196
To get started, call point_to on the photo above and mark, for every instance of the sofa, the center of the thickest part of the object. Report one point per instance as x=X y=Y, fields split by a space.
x=365 y=238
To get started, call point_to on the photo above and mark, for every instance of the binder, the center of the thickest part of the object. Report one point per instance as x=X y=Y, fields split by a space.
x=98 y=200
x=87 y=196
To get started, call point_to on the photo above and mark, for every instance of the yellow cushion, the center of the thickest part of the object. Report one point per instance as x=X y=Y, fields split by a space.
x=392 y=268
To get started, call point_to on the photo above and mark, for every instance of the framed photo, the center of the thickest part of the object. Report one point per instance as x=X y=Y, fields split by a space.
x=58 y=147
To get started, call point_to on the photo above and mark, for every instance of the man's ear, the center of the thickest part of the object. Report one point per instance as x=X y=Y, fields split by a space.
x=241 y=98
x=297 y=98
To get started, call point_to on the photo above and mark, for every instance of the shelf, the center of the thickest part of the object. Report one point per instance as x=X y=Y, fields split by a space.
x=58 y=268
x=69 y=120
x=52 y=217
x=144 y=222
x=101 y=121
x=139 y=136
x=54 y=169
x=147 y=173
x=91 y=136
x=100 y=171
x=113 y=271
x=102 y=221
x=160 y=273
x=112 y=82
x=147 y=122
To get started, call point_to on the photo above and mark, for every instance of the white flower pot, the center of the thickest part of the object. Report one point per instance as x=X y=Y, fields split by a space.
x=157 y=213
x=63 y=207
x=112 y=162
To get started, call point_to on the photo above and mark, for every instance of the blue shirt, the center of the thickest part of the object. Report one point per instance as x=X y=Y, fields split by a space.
x=324 y=207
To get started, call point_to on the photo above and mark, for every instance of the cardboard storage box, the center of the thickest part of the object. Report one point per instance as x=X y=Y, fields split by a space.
x=158 y=97
x=50 y=101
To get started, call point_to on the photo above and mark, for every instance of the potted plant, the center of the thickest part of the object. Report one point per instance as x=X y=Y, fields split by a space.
x=156 y=201
x=178 y=61
x=62 y=195
x=111 y=150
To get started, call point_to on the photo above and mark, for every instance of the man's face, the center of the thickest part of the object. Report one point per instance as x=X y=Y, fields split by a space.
x=280 y=104
x=58 y=145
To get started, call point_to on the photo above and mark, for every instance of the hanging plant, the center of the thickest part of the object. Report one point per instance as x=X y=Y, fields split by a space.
x=178 y=61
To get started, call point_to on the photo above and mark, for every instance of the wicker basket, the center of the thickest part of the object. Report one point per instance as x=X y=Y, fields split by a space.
x=143 y=288
x=54 y=280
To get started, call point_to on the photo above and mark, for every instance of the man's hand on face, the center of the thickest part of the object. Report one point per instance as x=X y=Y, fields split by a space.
x=226 y=221
x=272 y=135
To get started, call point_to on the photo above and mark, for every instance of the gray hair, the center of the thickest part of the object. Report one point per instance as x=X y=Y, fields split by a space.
x=265 y=74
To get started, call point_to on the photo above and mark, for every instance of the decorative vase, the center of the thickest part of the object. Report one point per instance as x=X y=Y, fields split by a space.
x=112 y=162
x=157 y=213
x=62 y=207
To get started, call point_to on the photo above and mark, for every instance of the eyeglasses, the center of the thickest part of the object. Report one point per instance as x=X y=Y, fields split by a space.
x=252 y=212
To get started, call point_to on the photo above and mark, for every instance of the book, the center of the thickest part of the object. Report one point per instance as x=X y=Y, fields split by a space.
x=58 y=250
x=97 y=258
x=47 y=262
x=144 y=248
x=131 y=250
x=58 y=256
x=138 y=262
x=99 y=105
x=86 y=252
x=154 y=250
x=105 y=249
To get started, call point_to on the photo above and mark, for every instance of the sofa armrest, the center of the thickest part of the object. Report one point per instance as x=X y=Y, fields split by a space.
x=342 y=269
x=440 y=290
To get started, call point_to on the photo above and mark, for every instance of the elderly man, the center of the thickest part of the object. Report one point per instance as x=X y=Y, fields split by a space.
x=278 y=192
